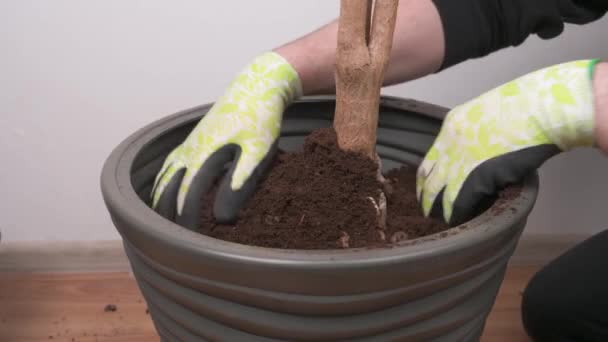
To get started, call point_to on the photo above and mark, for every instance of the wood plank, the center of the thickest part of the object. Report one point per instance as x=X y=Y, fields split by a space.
x=539 y=249
x=70 y=307
x=504 y=322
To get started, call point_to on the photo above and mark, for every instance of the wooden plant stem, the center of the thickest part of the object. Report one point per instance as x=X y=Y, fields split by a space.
x=363 y=51
x=365 y=37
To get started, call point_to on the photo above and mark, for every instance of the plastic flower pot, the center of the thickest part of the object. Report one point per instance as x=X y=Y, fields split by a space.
x=436 y=288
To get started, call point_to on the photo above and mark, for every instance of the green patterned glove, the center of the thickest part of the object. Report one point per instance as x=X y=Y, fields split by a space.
x=503 y=135
x=242 y=127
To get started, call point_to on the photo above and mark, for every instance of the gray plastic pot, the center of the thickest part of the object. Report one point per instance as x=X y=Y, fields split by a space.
x=436 y=288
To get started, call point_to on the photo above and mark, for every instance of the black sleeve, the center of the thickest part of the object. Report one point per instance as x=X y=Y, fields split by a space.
x=476 y=28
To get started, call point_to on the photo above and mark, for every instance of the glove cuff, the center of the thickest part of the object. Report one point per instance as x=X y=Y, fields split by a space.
x=566 y=97
x=591 y=68
x=293 y=78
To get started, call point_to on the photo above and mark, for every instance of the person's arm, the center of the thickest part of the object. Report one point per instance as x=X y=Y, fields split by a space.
x=432 y=35
x=600 y=86
x=476 y=28
x=418 y=49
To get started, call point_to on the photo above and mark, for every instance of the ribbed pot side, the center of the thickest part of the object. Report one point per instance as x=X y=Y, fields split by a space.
x=436 y=288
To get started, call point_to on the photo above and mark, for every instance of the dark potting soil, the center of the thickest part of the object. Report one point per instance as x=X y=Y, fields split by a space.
x=323 y=198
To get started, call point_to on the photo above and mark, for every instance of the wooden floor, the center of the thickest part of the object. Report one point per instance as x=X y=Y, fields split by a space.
x=70 y=307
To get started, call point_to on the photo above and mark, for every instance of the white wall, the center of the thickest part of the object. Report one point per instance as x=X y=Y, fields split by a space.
x=77 y=77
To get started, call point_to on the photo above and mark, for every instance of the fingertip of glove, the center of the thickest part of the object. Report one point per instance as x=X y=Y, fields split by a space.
x=228 y=202
x=436 y=210
x=225 y=214
x=167 y=203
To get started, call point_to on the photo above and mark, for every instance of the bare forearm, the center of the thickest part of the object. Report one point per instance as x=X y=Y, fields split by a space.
x=600 y=89
x=313 y=57
x=418 y=49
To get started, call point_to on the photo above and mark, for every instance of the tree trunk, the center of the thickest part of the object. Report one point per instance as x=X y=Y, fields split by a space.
x=364 y=45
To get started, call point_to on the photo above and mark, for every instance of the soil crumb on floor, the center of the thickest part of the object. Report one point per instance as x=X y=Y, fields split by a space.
x=320 y=198
x=110 y=308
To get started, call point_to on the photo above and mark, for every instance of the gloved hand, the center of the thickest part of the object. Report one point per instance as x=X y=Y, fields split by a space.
x=243 y=126
x=505 y=134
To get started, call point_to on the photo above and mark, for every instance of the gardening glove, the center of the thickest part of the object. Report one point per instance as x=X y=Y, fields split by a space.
x=242 y=127
x=504 y=135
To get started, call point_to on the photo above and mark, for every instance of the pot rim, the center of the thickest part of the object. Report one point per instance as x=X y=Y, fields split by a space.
x=124 y=204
